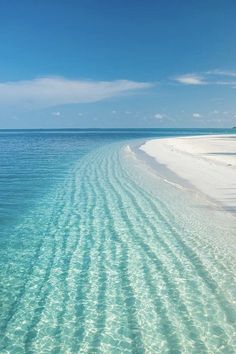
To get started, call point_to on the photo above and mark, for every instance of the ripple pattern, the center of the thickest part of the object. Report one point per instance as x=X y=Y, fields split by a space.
x=116 y=271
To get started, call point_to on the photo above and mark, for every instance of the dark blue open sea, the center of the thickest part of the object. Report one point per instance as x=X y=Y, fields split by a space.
x=100 y=255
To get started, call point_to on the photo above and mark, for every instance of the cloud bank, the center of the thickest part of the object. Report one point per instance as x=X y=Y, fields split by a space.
x=52 y=91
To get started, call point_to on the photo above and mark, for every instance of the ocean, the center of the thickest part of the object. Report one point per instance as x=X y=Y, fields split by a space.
x=98 y=254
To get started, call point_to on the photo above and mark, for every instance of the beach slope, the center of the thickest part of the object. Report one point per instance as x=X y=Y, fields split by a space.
x=208 y=163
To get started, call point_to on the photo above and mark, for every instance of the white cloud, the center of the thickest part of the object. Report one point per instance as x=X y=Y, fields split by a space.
x=56 y=114
x=211 y=77
x=51 y=91
x=80 y=114
x=159 y=116
x=190 y=79
x=113 y=112
x=222 y=72
x=225 y=83
x=197 y=115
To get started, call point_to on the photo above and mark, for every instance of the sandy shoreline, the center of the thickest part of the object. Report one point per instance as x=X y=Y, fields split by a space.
x=208 y=163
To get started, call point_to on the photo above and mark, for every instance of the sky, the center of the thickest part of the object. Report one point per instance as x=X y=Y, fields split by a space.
x=117 y=63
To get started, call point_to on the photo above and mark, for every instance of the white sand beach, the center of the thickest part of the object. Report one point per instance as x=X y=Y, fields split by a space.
x=207 y=163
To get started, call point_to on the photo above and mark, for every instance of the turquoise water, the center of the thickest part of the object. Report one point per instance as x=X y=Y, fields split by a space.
x=100 y=255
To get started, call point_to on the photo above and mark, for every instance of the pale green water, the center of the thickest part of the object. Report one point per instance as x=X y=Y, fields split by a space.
x=125 y=263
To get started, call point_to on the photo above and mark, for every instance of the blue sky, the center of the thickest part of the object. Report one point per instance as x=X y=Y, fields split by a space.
x=107 y=63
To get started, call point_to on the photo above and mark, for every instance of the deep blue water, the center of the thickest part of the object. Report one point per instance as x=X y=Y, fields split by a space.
x=92 y=262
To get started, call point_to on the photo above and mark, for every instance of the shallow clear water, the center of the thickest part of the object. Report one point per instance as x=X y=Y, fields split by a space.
x=99 y=254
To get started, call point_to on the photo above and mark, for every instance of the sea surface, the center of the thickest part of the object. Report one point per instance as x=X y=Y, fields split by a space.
x=98 y=254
